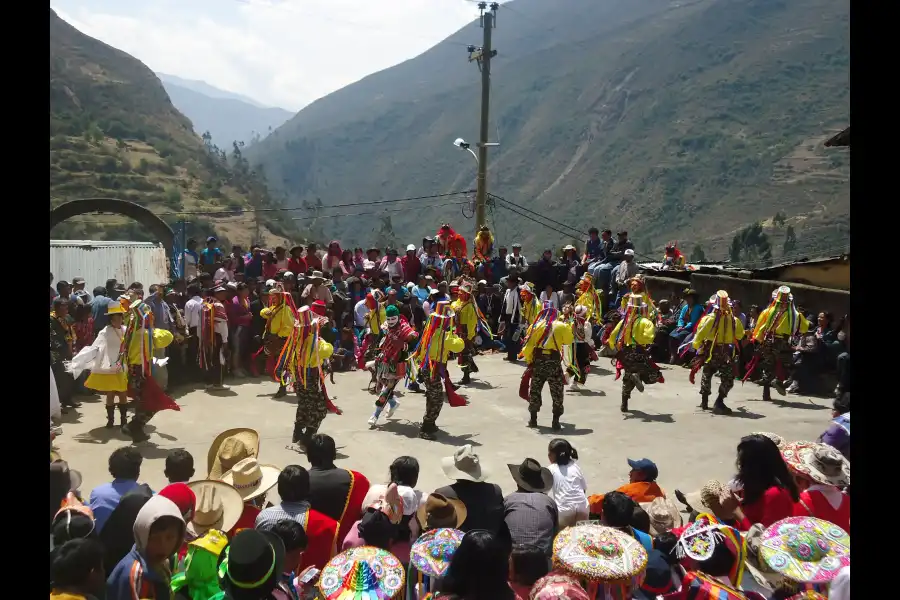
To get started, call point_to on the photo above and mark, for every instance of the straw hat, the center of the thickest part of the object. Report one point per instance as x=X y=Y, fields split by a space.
x=219 y=506
x=818 y=462
x=252 y=479
x=229 y=448
x=709 y=499
x=664 y=515
x=779 y=441
x=115 y=309
x=465 y=465
x=432 y=552
x=438 y=512
x=600 y=554
x=364 y=573
x=805 y=549
x=317 y=275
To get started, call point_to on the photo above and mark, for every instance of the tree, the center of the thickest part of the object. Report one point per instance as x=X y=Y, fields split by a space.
x=790 y=241
x=751 y=245
x=779 y=219
x=697 y=254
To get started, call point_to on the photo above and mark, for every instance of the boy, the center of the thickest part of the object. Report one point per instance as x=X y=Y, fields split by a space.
x=78 y=571
x=179 y=466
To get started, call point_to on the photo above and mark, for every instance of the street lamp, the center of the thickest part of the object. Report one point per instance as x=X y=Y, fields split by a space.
x=464 y=145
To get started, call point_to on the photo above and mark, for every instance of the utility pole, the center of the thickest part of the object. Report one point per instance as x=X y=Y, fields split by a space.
x=483 y=57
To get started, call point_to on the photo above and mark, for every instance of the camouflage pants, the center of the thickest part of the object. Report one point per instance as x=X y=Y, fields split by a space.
x=434 y=401
x=722 y=364
x=467 y=359
x=546 y=367
x=771 y=352
x=311 y=407
x=136 y=383
x=636 y=360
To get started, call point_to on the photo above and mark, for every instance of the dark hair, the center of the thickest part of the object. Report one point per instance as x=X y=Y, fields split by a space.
x=59 y=301
x=137 y=285
x=754 y=307
x=81 y=311
x=376 y=529
x=529 y=563
x=720 y=562
x=166 y=521
x=111 y=284
x=842 y=404
x=563 y=451
x=291 y=533
x=74 y=562
x=99 y=291
x=760 y=466
x=640 y=520
x=665 y=543
x=618 y=509
x=154 y=288
x=241 y=286
x=593 y=230
x=479 y=569
x=61 y=284
x=73 y=525
x=293 y=484
x=60 y=483
x=321 y=450
x=405 y=471
x=193 y=289
x=125 y=463
x=607 y=231
x=179 y=465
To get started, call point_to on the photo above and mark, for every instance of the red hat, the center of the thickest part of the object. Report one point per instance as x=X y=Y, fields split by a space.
x=183 y=497
x=318 y=307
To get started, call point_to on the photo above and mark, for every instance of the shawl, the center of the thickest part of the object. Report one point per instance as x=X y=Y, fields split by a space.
x=100 y=357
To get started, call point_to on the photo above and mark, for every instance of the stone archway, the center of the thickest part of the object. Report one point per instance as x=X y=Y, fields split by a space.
x=145 y=217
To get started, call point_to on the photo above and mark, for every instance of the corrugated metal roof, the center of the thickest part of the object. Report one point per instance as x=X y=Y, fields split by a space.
x=102 y=244
x=98 y=261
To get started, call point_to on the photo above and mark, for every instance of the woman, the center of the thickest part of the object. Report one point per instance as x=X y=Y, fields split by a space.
x=226 y=271
x=763 y=489
x=348 y=266
x=548 y=295
x=270 y=266
x=404 y=473
x=84 y=327
x=820 y=471
x=333 y=257
x=479 y=570
x=688 y=317
x=811 y=354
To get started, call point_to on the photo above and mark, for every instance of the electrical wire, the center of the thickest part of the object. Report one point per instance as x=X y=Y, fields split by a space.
x=504 y=200
x=521 y=214
x=378 y=212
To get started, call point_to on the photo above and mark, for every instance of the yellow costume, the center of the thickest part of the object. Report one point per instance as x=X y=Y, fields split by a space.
x=161 y=339
x=465 y=316
x=280 y=318
x=642 y=333
x=715 y=341
x=530 y=306
x=638 y=285
x=774 y=329
x=561 y=335
x=375 y=319
x=588 y=296
x=484 y=244
x=630 y=339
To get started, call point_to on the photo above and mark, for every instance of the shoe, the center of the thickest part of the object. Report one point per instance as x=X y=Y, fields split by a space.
x=72 y=404
x=574 y=387
x=137 y=435
x=624 y=407
x=704 y=402
x=794 y=388
x=638 y=383
x=721 y=409
x=532 y=422
x=779 y=387
x=219 y=387
x=767 y=394
x=555 y=426
x=110 y=417
x=123 y=416
x=373 y=420
x=281 y=393
x=392 y=410
x=427 y=435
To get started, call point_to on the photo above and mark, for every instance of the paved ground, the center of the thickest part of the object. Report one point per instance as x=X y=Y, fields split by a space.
x=688 y=445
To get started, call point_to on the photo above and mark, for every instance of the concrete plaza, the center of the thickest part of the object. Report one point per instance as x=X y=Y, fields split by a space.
x=665 y=425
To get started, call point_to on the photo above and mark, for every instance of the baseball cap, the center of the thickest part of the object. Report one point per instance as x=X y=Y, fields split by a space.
x=646 y=466
x=629 y=252
x=411 y=247
x=212 y=238
x=77 y=280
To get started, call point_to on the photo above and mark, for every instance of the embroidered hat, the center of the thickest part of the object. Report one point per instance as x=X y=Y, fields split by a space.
x=805 y=549
x=557 y=586
x=779 y=441
x=818 y=462
x=699 y=541
x=252 y=479
x=808 y=595
x=229 y=448
x=364 y=573
x=600 y=554
x=432 y=552
x=390 y=503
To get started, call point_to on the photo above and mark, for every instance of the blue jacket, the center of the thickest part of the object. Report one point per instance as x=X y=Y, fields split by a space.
x=687 y=321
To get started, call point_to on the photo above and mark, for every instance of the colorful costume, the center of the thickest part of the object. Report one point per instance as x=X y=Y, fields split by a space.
x=583 y=346
x=469 y=320
x=451 y=243
x=542 y=351
x=673 y=259
x=280 y=317
x=775 y=327
x=390 y=365
x=213 y=334
x=306 y=351
x=587 y=295
x=530 y=306
x=715 y=341
x=484 y=248
x=430 y=357
x=374 y=320
x=629 y=339
x=638 y=285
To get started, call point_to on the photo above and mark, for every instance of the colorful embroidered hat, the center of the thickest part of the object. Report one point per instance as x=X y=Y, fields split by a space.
x=699 y=540
x=364 y=573
x=779 y=441
x=782 y=294
x=635 y=301
x=700 y=586
x=805 y=549
x=557 y=585
x=808 y=595
x=600 y=555
x=818 y=462
x=390 y=503
x=432 y=552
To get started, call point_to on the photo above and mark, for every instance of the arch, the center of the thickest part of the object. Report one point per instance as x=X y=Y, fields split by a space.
x=145 y=217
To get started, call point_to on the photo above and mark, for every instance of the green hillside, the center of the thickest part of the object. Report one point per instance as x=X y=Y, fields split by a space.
x=679 y=120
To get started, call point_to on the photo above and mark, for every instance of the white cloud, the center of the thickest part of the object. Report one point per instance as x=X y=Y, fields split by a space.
x=281 y=52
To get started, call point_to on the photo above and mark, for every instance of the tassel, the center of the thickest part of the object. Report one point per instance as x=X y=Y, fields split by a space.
x=525 y=384
x=751 y=367
x=454 y=399
x=332 y=407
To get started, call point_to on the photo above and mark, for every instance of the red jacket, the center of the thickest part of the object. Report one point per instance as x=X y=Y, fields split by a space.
x=813 y=503
x=297 y=266
x=411 y=268
x=775 y=504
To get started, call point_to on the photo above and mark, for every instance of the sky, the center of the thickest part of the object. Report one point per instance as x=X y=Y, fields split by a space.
x=284 y=53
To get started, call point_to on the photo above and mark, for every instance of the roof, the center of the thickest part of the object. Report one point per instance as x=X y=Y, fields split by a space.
x=806 y=261
x=101 y=244
x=841 y=139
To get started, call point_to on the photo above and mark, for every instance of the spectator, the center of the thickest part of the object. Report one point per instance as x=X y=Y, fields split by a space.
x=528 y=563
x=571 y=262
x=483 y=500
x=179 y=466
x=842 y=347
x=125 y=468
x=766 y=491
x=688 y=317
x=78 y=291
x=253 y=268
x=53 y=293
x=190 y=260
x=316 y=291
x=821 y=472
x=838 y=433
x=77 y=571
x=569 y=485
x=211 y=255
x=337 y=493
x=393 y=266
x=611 y=257
x=545 y=270
x=378 y=525
x=412 y=267
x=618 y=512
x=312 y=258
x=296 y=263
x=479 y=569
x=254 y=557
x=100 y=305
x=281 y=258
x=594 y=248
x=293 y=584
x=531 y=515
x=498 y=264
x=348 y=266
x=622 y=275
x=642 y=486
x=516 y=259
x=548 y=295
x=811 y=354
x=226 y=271
x=511 y=318
x=332 y=256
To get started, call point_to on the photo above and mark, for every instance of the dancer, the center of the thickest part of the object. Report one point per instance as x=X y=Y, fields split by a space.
x=542 y=352
x=774 y=329
x=374 y=321
x=588 y=296
x=450 y=242
x=469 y=320
x=583 y=352
x=715 y=341
x=107 y=373
x=430 y=358
x=213 y=339
x=530 y=305
x=280 y=317
x=630 y=339
x=673 y=259
x=484 y=248
x=390 y=365
x=638 y=285
x=306 y=351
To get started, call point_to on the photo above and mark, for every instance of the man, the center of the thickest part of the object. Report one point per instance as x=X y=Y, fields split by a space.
x=281 y=258
x=305 y=370
x=593 y=248
x=542 y=352
x=316 y=291
x=469 y=320
x=530 y=514
x=189 y=260
x=64 y=291
x=621 y=275
x=390 y=363
x=312 y=258
x=296 y=263
x=838 y=433
x=390 y=264
x=641 y=486
x=213 y=334
x=211 y=255
x=162 y=319
x=237 y=255
x=254 y=265
x=79 y=292
x=125 y=468
x=602 y=270
x=483 y=500
x=582 y=331
x=498 y=264
x=511 y=318
x=179 y=466
x=516 y=259
x=62 y=340
x=716 y=342
x=630 y=339
x=397 y=287
x=101 y=304
x=432 y=260
x=438 y=341
x=192 y=309
x=337 y=493
x=618 y=513
x=411 y=264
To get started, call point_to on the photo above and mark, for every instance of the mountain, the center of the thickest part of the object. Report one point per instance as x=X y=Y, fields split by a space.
x=227 y=119
x=115 y=134
x=201 y=87
x=685 y=119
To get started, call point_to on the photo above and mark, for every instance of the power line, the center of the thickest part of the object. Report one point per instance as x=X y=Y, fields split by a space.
x=521 y=214
x=383 y=210
x=578 y=231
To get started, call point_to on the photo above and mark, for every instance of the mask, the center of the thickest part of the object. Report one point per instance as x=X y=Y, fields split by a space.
x=391 y=321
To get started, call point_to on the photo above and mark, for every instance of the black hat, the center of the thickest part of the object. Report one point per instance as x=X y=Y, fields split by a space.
x=531 y=476
x=658 y=575
x=251 y=564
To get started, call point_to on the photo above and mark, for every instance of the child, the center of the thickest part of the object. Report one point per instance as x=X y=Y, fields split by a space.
x=293 y=584
x=77 y=570
x=144 y=572
x=527 y=564
x=344 y=358
x=568 y=483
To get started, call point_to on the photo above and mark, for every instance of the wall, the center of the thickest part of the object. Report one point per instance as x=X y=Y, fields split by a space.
x=96 y=262
x=832 y=275
x=759 y=292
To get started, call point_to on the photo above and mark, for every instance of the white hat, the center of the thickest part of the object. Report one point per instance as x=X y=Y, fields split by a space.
x=482 y=282
x=252 y=479
x=411 y=247
x=629 y=252
x=271 y=282
x=219 y=506
x=288 y=274
x=464 y=464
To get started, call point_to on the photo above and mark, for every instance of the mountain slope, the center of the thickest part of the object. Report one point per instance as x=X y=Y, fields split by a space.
x=226 y=119
x=201 y=87
x=682 y=120
x=115 y=134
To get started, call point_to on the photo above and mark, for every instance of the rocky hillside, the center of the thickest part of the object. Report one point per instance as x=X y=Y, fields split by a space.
x=684 y=119
x=115 y=134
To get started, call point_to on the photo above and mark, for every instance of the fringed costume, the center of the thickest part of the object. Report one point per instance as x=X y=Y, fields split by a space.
x=375 y=319
x=390 y=364
x=469 y=321
x=583 y=347
x=280 y=317
x=716 y=342
x=529 y=305
x=430 y=359
x=451 y=243
x=542 y=351
x=586 y=295
x=629 y=339
x=484 y=248
x=213 y=333
x=306 y=352
x=638 y=285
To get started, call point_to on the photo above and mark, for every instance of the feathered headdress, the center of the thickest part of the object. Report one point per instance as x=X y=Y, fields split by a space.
x=634 y=310
x=782 y=304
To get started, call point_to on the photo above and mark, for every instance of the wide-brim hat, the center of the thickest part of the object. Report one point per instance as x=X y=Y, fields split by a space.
x=60 y=468
x=465 y=464
x=779 y=441
x=219 y=506
x=251 y=564
x=364 y=573
x=432 y=552
x=115 y=309
x=440 y=512
x=818 y=462
x=252 y=479
x=709 y=499
x=664 y=515
x=531 y=476
x=229 y=448
x=600 y=554
x=316 y=275
x=297 y=247
x=805 y=549
x=556 y=585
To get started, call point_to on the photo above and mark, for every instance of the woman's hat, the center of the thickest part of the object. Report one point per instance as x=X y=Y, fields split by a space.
x=438 y=511
x=317 y=275
x=556 y=585
x=252 y=479
x=219 y=506
x=229 y=448
x=818 y=462
x=298 y=247
x=390 y=503
x=779 y=441
x=432 y=552
x=600 y=554
x=531 y=476
x=568 y=247
x=699 y=541
x=464 y=464
x=364 y=573
x=664 y=515
x=805 y=549
x=251 y=564
x=115 y=309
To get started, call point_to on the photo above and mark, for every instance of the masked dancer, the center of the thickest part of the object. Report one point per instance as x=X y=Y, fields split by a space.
x=716 y=342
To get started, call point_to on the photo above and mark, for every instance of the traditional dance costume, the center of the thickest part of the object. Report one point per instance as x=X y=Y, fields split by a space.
x=775 y=327
x=390 y=364
x=213 y=333
x=638 y=286
x=586 y=295
x=280 y=317
x=530 y=306
x=374 y=320
x=542 y=351
x=484 y=247
x=306 y=351
x=430 y=357
x=716 y=342
x=673 y=259
x=629 y=339
x=451 y=243
x=583 y=352
x=469 y=320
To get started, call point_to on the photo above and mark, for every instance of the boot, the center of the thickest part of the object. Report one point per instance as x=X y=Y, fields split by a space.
x=624 y=407
x=281 y=393
x=427 y=431
x=297 y=435
x=719 y=407
x=137 y=434
x=123 y=416
x=767 y=394
x=555 y=426
x=532 y=422
x=466 y=379
x=779 y=387
x=638 y=382
x=473 y=366
x=110 y=417
x=704 y=401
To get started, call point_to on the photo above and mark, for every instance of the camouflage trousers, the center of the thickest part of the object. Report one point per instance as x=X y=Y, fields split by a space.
x=721 y=363
x=311 y=407
x=771 y=352
x=467 y=359
x=434 y=400
x=636 y=360
x=546 y=368
x=136 y=383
